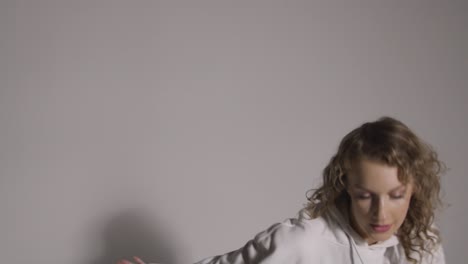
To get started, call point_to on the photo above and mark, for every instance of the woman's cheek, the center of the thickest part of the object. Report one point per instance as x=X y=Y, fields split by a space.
x=363 y=206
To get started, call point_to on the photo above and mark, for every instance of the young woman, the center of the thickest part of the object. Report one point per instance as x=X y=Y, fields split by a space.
x=376 y=205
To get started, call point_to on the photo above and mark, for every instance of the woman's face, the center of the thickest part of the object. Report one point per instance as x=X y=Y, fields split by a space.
x=379 y=201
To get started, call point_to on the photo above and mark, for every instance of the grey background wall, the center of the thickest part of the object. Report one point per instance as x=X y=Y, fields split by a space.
x=178 y=130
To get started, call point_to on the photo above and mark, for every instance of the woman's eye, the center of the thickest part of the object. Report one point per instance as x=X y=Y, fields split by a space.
x=363 y=196
x=397 y=196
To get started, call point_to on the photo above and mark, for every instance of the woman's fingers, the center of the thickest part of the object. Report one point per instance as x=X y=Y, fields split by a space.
x=138 y=260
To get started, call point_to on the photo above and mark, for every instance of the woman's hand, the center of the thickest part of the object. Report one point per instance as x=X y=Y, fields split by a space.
x=137 y=259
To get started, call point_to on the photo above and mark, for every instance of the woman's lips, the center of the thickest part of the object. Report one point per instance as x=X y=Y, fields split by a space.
x=380 y=228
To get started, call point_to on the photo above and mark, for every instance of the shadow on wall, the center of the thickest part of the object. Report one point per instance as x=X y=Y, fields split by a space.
x=133 y=233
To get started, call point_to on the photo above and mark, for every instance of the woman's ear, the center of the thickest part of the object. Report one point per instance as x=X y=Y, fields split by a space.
x=414 y=189
x=412 y=186
x=344 y=181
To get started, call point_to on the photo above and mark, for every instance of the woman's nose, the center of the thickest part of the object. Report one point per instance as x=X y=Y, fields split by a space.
x=379 y=213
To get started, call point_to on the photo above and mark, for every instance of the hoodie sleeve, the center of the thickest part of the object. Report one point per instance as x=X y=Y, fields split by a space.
x=274 y=245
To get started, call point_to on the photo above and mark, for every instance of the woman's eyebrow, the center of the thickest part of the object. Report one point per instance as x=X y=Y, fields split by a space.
x=358 y=186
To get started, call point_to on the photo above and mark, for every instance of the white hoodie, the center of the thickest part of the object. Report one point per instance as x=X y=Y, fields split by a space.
x=321 y=241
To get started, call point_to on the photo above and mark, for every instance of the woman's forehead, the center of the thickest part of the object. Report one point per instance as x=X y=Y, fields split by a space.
x=366 y=172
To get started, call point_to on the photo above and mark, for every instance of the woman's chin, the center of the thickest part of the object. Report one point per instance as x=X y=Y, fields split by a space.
x=379 y=237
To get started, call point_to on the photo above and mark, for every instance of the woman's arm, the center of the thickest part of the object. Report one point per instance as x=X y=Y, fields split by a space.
x=275 y=245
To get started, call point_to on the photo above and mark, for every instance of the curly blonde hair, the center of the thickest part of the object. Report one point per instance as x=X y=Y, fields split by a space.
x=389 y=141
